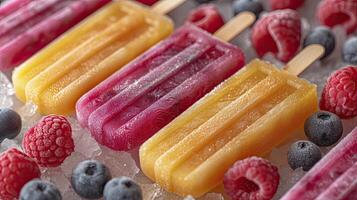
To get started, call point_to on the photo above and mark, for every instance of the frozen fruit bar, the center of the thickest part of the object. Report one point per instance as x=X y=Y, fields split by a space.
x=60 y=74
x=332 y=178
x=249 y=114
x=27 y=26
x=137 y=101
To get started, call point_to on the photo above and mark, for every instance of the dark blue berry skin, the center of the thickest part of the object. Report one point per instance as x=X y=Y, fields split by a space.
x=349 y=51
x=323 y=36
x=202 y=1
x=323 y=128
x=122 y=188
x=89 y=178
x=10 y=124
x=303 y=154
x=39 y=190
x=253 y=6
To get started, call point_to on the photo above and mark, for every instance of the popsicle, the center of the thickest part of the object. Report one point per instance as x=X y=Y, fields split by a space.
x=27 y=26
x=247 y=115
x=137 y=101
x=55 y=78
x=332 y=178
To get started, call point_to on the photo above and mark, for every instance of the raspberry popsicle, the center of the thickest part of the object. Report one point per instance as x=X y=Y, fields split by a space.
x=332 y=178
x=27 y=26
x=60 y=74
x=137 y=101
x=247 y=115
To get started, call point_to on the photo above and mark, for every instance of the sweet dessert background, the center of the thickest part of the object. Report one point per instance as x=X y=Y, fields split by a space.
x=126 y=163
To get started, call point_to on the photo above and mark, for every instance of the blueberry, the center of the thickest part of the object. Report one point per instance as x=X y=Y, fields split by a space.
x=203 y=1
x=89 y=178
x=323 y=128
x=122 y=188
x=39 y=190
x=247 y=5
x=349 y=51
x=303 y=154
x=323 y=36
x=10 y=124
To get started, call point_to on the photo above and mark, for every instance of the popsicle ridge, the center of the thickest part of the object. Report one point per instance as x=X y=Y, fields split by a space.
x=189 y=159
x=165 y=81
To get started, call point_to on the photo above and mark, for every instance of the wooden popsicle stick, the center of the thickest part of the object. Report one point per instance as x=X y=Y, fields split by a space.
x=235 y=26
x=304 y=59
x=165 y=6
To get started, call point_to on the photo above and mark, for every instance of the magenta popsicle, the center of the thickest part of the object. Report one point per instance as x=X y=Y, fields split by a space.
x=27 y=26
x=332 y=178
x=137 y=101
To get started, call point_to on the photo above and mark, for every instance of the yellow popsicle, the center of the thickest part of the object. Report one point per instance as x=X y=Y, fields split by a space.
x=61 y=73
x=249 y=114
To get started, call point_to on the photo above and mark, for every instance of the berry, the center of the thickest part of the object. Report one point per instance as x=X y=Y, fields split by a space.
x=285 y=4
x=251 y=178
x=253 y=6
x=10 y=124
x=89 y=178
x=40 y=190
x=148 y=2
x=323 y=128
x=338 y=12
x=16 y=170
x=339 y=95
x=303 y=154
x=349 y=51
x=323 y=36
x=278 y=32
x=202 y=1
x=206 y=17
x=50 y=142
x=122 y=188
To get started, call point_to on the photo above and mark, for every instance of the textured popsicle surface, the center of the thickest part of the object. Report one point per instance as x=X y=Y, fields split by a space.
x=27 y=26
x=244 y=116
x=59 y=75
x=136 y=102
x=332 y=178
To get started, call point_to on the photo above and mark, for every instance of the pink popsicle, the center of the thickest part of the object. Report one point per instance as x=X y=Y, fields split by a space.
x=332 y=178
x=27 y=26
x=133 y=104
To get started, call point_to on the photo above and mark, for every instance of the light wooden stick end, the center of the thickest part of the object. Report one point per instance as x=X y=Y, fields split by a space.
x=165 y=6
x=235 y=26
x=304 y=59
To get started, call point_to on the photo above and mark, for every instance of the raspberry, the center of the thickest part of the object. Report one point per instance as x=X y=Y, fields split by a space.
x=207 y=17
x=278 y=32
x=16 y=170
x=284 y=4
x=338 y=12
x=253 y=178
x=147 y=2
x=50 y=141
x=340 y=93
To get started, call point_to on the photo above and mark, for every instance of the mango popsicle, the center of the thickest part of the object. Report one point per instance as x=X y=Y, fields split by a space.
x=248 y=114
x=27 y=26
x=60 y=74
